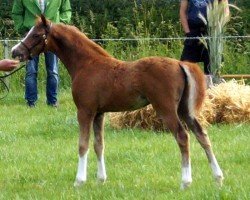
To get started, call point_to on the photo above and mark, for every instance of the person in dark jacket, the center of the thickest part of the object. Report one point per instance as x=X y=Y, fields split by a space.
x=193 y=26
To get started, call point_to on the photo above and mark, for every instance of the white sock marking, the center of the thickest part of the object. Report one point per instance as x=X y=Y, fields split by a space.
x=186 y=174
x=101 y=170
x=216 y=168
x=82 y=168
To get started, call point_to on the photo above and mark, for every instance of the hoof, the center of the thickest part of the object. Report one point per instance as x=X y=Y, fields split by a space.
x=185 y=185
x=101 y=179
x=78 y=183
x=219 y=180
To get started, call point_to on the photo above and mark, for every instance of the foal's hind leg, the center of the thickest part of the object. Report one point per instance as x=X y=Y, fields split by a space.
x=171 y=121
x=99 y=146
x=203 y=139
x=182 y=138
x=85 y=119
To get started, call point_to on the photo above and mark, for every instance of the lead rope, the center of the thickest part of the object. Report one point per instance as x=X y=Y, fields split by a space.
x=4 y=84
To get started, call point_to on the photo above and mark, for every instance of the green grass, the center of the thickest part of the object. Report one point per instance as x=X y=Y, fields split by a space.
x=38 y=158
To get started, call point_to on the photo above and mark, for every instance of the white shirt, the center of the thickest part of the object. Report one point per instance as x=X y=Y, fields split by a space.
x=42 y=5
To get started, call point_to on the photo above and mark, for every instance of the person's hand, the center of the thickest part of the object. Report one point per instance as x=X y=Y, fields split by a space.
x=190 y=40
x=8 y=65
x=191 y=34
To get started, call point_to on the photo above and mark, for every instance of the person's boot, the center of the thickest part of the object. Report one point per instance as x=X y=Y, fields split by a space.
x=209 y=81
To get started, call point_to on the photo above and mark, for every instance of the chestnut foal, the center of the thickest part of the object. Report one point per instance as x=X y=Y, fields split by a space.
x=101 y=83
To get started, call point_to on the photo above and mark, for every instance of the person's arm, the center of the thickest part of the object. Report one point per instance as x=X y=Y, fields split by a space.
x=227 y=7
x=8 y=65
x=65 y=12
x=18 y=15
x=183 y=15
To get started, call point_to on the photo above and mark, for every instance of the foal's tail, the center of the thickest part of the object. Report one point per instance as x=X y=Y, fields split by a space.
x=194 y=91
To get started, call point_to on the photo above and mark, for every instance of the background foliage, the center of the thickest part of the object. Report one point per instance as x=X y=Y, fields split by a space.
x=156 y=17
x=140 y=19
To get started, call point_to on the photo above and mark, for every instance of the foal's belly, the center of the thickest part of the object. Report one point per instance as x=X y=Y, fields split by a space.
x=125 y=104
x=139 y=103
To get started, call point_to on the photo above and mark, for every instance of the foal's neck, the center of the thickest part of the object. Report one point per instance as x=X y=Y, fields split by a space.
x=74 y=48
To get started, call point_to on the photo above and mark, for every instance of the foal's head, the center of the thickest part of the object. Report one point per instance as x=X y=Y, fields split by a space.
x=35 y=41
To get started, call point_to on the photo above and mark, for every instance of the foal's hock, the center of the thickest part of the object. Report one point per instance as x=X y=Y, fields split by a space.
x=101 y=83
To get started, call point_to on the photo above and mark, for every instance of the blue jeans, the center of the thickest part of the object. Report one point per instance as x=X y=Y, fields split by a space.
x=51 y=62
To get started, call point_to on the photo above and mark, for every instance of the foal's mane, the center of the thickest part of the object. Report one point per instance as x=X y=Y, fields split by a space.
x=73 y=36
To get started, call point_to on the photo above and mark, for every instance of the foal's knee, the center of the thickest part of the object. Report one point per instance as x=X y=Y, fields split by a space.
x=204 y=140
x=182 y=138
x=98 y=146
x=83 y=148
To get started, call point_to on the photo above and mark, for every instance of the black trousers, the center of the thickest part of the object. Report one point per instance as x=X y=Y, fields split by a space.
x=194 y=50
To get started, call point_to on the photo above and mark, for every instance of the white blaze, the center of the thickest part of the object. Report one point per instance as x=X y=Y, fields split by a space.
x=13 y=48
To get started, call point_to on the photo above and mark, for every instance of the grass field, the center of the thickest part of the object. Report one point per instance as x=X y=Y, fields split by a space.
x=39 y=153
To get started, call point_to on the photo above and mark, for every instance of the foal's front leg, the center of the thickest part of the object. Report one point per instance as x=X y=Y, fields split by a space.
x=85 y=120
x=99 y=146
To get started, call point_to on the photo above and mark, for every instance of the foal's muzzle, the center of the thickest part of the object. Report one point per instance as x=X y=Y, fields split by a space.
x=20 y=53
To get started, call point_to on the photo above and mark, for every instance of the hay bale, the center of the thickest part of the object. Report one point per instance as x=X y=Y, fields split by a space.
x=144 y=118
x=231 y=102
x=207 y=113
x=227 y=102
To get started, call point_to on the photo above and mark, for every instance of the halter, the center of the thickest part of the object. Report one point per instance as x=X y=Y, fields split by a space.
x=6 y=87
x=44 y=36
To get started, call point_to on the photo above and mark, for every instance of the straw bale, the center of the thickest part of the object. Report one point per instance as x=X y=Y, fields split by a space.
x=227 y=102
x=144 y=118
x=231 y=102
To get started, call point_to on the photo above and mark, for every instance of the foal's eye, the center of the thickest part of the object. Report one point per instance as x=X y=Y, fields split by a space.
x=36 y=36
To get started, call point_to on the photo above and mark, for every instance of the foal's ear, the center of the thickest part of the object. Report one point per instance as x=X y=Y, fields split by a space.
x=44 y=21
